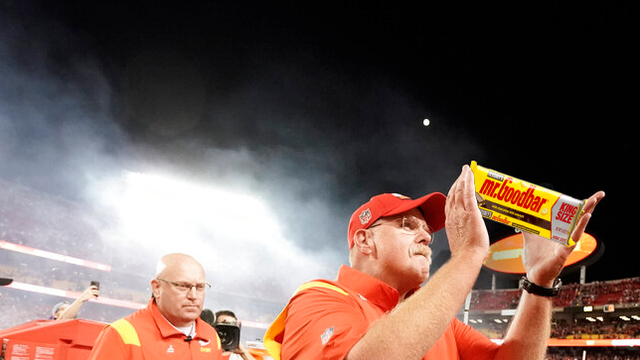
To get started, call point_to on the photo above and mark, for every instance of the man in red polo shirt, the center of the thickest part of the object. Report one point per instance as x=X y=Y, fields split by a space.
x=170 y=326
x=376 y=308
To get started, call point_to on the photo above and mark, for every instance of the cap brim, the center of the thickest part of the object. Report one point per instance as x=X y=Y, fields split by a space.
x=432 y=207
x=5 y=281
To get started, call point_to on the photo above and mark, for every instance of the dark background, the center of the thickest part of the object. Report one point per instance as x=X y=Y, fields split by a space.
x=318 y=106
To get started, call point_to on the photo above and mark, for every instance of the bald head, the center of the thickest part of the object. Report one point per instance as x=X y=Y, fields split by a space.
x=181 y=307
x=171 y=262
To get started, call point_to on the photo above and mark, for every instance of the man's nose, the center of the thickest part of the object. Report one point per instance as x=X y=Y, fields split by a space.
x=425 y=237
x=193 y=292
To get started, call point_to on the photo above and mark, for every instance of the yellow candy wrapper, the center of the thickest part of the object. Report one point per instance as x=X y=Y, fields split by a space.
x=525 y=206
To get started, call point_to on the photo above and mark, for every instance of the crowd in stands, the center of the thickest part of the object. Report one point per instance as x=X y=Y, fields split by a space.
x=482 y=300
x=609 y=328
x=600 y=293
x=594 y=353
x=613 y=328
x=618 y=292
x=623 y=291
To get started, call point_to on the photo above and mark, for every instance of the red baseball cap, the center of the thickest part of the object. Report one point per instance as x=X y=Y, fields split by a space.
x=388 y=204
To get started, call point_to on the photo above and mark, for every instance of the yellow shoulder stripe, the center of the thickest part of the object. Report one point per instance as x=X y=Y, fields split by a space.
x=321 y=284
x=270 y=343
x=127 y=332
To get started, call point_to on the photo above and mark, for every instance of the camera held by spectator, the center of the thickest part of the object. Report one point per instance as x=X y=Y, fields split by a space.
x=228 y=327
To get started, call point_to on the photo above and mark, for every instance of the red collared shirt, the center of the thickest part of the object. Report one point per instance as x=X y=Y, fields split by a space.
x=146 y=334
x=326 y=319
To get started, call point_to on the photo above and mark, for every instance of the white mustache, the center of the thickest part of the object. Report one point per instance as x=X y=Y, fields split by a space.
x=423 y=250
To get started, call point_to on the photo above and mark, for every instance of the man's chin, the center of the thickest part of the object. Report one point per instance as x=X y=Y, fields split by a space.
x=426 y=269
x=191 y=312
x=423 y=270
x=424 y=259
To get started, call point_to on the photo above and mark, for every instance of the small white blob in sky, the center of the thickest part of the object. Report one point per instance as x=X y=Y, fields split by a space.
x=426 y=122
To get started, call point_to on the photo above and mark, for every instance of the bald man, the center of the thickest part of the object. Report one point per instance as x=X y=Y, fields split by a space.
x=169 y=327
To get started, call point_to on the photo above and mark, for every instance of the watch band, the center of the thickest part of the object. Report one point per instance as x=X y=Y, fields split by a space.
x=541 y=290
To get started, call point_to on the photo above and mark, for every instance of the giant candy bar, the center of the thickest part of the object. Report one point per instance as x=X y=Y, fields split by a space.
x=526 y=206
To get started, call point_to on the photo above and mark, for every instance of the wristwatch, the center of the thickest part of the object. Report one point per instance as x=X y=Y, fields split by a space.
x=541 y=290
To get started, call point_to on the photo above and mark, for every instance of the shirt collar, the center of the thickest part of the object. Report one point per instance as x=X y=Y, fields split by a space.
x=372 y=289
x=166 y=328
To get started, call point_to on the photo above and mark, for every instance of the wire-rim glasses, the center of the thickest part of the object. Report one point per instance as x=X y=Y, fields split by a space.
x=410 y=224
x=185 y=287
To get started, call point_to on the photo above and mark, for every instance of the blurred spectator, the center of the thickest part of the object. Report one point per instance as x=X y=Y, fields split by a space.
x=229 y=317
x=208 y=316
x=5 y=282
x=64 y=311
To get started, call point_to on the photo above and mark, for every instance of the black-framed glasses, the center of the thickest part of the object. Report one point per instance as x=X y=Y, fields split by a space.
x=410 y=224
x=185 y=287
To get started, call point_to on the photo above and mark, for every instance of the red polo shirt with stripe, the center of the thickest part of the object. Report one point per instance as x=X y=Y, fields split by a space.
x=146 y=334
x=325 y=319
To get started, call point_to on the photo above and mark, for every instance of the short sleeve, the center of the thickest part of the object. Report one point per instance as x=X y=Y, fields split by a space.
x=472 y=344
x=108 y=346
x=322 y=324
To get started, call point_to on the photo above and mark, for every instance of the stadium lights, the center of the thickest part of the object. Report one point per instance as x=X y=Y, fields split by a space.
x=163 y=212
x=592 y=319
x=159 y=214
x=508 y=312
x=53 y=256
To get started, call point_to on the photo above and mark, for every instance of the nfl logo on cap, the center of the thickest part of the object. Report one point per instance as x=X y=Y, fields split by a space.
x=365 y=216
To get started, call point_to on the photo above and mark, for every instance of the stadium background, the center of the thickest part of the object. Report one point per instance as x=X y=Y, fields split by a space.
x=246 y=136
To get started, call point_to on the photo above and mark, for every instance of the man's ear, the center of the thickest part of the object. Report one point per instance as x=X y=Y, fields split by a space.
x=363 y=242
x=155 y=287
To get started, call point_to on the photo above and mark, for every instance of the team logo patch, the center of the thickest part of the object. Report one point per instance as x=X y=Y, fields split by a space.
x=204 y=342
x=365 y=216
x=326 y=335
x=170 y=350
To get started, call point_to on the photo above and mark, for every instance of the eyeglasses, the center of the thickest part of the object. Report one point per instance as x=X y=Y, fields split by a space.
x=410 y=224
x=184 y=287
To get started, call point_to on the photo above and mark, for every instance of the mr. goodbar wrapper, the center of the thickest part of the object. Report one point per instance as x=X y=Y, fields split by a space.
x=526 y=206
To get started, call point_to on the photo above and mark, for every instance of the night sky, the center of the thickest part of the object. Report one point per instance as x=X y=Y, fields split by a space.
x=317 y=107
